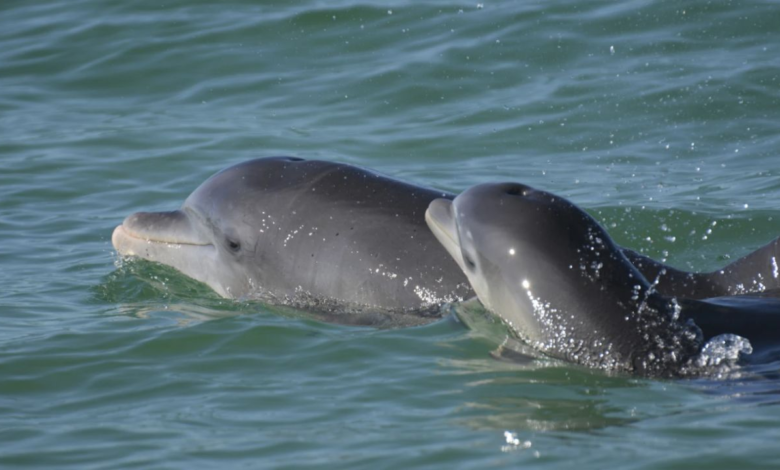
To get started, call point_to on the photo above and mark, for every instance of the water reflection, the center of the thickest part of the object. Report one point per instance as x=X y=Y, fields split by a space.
x=526 y=392
x=147 y=290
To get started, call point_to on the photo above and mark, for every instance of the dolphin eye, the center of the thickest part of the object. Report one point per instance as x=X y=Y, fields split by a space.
x=469 y=262
x=233 y=245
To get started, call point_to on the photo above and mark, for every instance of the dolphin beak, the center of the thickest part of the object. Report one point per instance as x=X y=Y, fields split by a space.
x=441 y=221
x=144 y=233
x=169 y=228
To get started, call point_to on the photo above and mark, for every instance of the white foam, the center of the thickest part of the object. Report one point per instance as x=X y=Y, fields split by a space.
x=513 y=443
x=723 y=348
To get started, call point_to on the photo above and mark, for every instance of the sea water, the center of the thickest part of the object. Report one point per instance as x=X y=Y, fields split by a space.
x=659 y=118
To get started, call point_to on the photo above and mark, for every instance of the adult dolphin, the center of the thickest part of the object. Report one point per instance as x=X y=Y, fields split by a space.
x=322 y=236
x=557 y=279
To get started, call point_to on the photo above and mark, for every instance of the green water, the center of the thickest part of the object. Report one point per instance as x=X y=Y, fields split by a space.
x=660 y=118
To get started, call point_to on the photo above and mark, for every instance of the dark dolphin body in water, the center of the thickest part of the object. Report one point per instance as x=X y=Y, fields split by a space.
x=320 y=236
x=559 y=282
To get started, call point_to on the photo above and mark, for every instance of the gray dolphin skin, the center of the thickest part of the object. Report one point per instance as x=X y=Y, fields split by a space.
x=315 y=235
x=754 y=273
x=555 y=277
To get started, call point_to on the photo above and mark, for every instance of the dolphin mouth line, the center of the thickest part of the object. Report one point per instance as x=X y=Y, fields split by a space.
x=438 y=228
x=440 y=221
x=124 y=231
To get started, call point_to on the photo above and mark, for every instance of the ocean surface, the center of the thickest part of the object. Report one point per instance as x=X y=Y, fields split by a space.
x=659 y=118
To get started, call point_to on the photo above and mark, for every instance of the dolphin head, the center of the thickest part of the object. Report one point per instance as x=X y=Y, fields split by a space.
x=554 y=275
x=517 y=244
x=214 y=236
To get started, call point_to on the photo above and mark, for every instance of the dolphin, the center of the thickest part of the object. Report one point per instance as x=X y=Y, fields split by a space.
x=316 y=235
x=555 y=277
x=559 y=282
x=754 y=273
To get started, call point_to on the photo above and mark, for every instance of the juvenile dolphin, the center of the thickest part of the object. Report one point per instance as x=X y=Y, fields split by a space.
x=557 y=279
x=316 y=235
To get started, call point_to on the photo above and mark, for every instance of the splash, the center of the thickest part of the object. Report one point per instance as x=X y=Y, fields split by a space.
x=723 y=349
x=513 y=443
